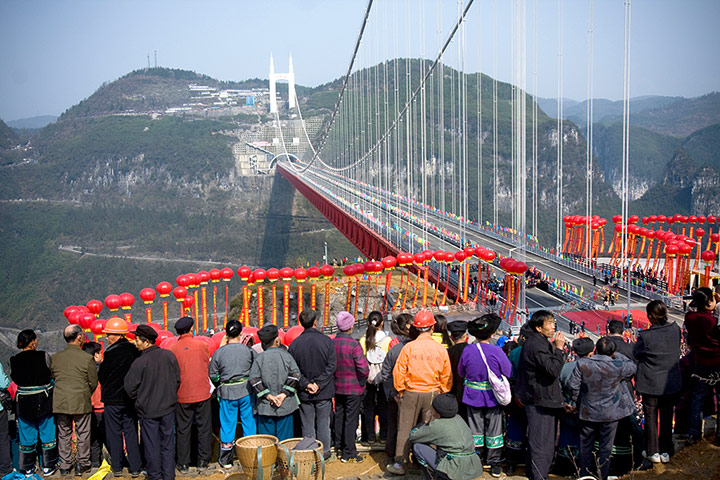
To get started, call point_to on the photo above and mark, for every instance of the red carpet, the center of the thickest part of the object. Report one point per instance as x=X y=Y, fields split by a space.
x=595 y=318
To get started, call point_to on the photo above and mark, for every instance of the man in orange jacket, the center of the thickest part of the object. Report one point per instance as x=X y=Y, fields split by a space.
x=422 y=372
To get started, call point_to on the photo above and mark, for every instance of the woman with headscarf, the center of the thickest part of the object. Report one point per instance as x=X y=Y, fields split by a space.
x=375 y=346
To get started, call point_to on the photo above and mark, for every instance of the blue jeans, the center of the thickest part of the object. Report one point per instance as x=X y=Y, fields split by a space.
x=280 y=427
x=229 y=414
x=701 y=391
x=30 y=430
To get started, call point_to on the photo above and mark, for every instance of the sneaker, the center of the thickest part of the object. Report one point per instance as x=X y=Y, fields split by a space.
x=134 y=474
x=47 y=471
x=496 y=471
x=654 y=458
x=355 y=459
x=664 y=458
x=183 y=469
x=396 y=469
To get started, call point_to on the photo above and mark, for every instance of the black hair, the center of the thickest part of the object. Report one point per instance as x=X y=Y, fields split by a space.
x=414 y=332
x=615 y=326
x=441 y=327
x=143 y=338
x=25 y=338
x=484 y=327
x=605 y=346
x=701 y=298
x=657 y=312
x=538 y=319
x=71 y=333
x=509 y=346
x=233 y=329
x=92 y=348
x=307 y=318
x=457 y=335
x=374 y=322
x=401 y=324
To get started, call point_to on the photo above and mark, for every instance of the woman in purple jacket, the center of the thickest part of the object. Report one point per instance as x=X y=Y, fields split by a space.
x=484 y=413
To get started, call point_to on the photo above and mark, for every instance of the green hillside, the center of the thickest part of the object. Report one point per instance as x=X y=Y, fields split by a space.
x=703 y=146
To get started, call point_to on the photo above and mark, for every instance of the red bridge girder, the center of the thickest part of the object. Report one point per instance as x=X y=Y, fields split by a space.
x=370 y=243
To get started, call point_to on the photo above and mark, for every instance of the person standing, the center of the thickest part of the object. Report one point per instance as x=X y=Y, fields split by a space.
x=421 y=373
x=615 y=329
x=153 y=381
x=704 y=341
x=30 y=370
x=5 y=456
x=229 y=370
x=459 y=338
x=314 y=354
x=538 y=388
x=658 y=379
x=76 y=378
x=275 y=378
x=484 y=413
x=400 y=326
x=193 y=396
x=121 y=422
x=350 y=377
x=598 y=389
x=375 y=345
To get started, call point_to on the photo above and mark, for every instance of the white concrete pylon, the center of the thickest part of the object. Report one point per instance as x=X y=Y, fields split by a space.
x=288 y=77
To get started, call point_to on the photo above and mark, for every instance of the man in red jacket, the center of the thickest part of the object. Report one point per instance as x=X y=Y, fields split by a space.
x=193 y=357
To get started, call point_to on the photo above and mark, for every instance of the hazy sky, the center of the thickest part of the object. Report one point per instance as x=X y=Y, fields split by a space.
x=55 y=53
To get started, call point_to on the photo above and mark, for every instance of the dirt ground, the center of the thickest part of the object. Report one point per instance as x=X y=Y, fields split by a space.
x=700 y=461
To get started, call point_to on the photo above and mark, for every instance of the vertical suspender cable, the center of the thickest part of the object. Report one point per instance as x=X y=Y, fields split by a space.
x=626 y=148
x=559 y=180
x=589 y=129
x=495 y=112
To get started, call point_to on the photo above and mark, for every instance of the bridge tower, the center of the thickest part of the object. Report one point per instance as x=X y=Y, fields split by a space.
x=288 y=77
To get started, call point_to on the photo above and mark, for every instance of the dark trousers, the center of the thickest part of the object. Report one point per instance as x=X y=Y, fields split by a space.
x=121 y=420
x=97 y=438
x=315 y=418
x=5 y=458
x=541 y=428
x=604 y=433
x=158 y=439
x=427 y=456
x=202 y=414
x=701 y=390
x=392 y=424
x=347 y=412
x=374 y=404
x=662 y=406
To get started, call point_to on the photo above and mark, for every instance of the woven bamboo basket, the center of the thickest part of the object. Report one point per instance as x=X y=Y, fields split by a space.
x=257 y=455
x=300 y=464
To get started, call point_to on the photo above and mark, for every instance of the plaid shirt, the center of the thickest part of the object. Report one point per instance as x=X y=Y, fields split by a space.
x=351 y=372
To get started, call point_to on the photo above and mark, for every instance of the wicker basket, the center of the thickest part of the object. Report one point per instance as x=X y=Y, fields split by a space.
x=300 y=464
x=257 y=455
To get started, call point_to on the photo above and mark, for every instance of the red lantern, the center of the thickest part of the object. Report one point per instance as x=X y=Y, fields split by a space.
x=147 y=295
x=692 y=219
x=180 y=293
x=164 y=288
x=286 y=273
x=214 y=275
x=469 y=252
x=349 y=270
x=699 y=232
x=708 y=256
x=313 y=273
x=419 y=258
x=244 y=273
x=490 y=256
x=671 y=249
x=645 y=220
x=187 y=302
x=69 y=310
x=112 y=302
x=449 y=257
x=661 y=218
x=182 y=280
x=439 y=256
x=95 y=306
x=653 y=218
x=74 y=317
x=300 y=274
x=633 y=219
x=520 y=267
x=404 y=259
x=204 y=277
x=126 y=300
x=390 y=262
x=226 y=274
x=701 y=219
x=460 y=256
x=98 y=326
x=711 y=219
x=273 y=274
x=194 y=279
x=259 y=274
x=86 y=320
x=715 y=237
x=328 y=271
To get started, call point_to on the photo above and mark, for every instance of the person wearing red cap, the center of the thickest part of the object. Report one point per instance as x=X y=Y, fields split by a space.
x=422 y=372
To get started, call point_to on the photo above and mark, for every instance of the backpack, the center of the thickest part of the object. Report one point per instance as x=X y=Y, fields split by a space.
x=375 y=358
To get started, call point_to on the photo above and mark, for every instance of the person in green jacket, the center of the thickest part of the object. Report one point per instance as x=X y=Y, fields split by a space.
x=75 y=375
x=454 y=457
